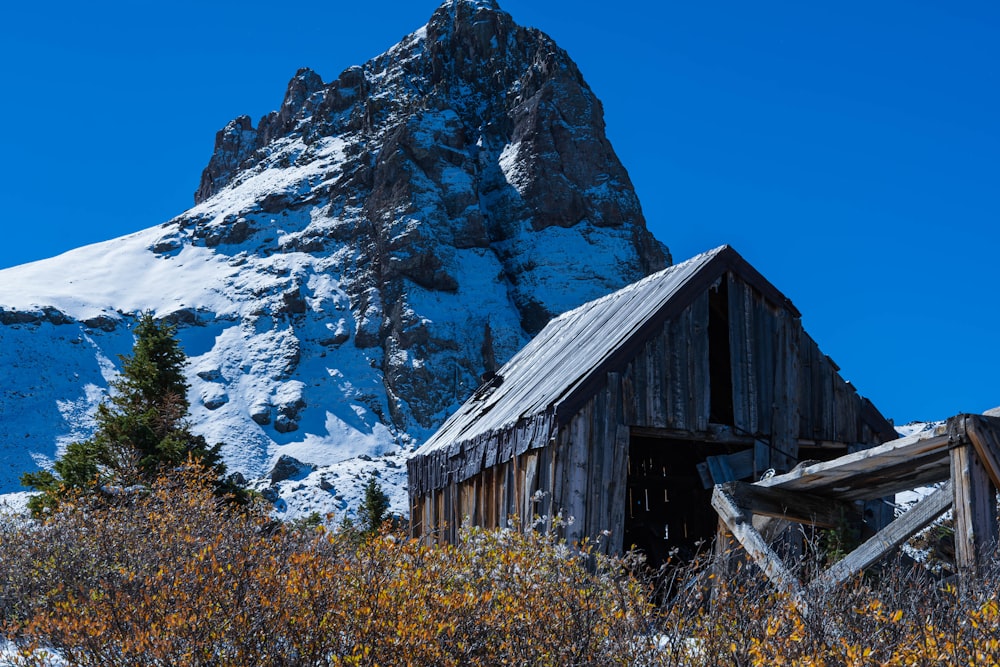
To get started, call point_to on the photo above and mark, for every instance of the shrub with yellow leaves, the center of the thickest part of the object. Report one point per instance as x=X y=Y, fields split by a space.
x=171 y=575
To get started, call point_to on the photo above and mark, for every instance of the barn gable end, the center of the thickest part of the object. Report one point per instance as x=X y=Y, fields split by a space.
x=621 y=414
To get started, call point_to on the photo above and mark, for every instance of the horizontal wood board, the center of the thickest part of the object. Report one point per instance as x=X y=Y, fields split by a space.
x=872 y=473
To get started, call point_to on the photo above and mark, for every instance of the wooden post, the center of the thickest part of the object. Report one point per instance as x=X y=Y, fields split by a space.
x=975 y=509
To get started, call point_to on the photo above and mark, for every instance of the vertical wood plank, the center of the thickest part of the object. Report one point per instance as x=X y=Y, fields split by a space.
x=649 y=380
x=676 y=365
x=805 y=384
x=761 y=340
x=607 y=481
x=560 y=478
x=628 y=394
x=501 y=487
x=596 y=462
x=737 y=352
x=544 y=506
x=578 y=468
x=454 y=516
x=785 y=425
x=617 y=488
x=751 y=361
x=429 y=527
x=827 y=409
x=530 y=485
x=639 y=382
x=700 y=385
x=760 y=381
x=484 y=498
x=439 y=515
x=816 y=392
x=660 y=388
x=974 y=509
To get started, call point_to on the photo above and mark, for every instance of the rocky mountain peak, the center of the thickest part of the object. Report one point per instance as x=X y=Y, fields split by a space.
x=361 y=257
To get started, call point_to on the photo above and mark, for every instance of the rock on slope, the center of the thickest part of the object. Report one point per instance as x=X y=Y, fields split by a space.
x=353 y=265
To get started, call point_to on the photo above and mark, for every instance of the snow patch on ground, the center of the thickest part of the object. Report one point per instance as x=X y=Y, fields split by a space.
x=14 y=504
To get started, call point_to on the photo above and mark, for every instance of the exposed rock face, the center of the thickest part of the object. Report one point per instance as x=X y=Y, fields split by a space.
x=380 y=243
x=465 y=142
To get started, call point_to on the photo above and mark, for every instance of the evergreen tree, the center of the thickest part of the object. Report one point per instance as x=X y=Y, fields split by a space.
x=141 y=427
x=374 y=507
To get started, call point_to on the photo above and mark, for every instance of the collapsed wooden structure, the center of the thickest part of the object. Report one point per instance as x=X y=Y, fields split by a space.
x=621 y=414
x=962 y=458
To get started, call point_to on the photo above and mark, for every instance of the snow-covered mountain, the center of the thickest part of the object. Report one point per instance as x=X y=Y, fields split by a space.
x=354 y=264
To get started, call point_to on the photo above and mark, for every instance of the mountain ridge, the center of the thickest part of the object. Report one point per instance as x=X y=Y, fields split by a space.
x=352 y=265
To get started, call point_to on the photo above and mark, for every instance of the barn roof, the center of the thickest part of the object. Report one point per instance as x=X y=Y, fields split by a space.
x=567 y=360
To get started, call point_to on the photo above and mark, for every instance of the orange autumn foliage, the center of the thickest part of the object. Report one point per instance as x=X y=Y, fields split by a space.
x=173 y=576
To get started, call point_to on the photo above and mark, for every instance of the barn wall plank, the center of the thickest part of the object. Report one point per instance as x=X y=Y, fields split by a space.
x=576 y=489
x=595 y=463
x=560 y=477
x=700 y=386
x=640 y=380
x=738 y=354
x=660 y=389
x=785 y=420
x=674 y=364
x=530 y=484
x=617 y=489
x=629 y=411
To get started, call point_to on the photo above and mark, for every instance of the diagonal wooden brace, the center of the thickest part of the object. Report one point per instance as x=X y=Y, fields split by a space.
x=887 y=539
x=740 y=525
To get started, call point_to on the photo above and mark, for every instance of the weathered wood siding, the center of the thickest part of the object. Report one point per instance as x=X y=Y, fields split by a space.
x=666 y=384
x=443 y=484
x=520 y=489
x=573 y=461
x=589 y=474
x=784 y=388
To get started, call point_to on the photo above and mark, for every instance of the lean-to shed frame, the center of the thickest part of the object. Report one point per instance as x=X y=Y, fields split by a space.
x=705 y=357
x=961 y=458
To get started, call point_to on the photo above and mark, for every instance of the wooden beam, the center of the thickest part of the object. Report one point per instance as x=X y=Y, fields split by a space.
x=887 y=539
x=738 y=523
x=716 y=433
x=796 y=506
x=725 y=435
x=872 y=473
x=984 y=433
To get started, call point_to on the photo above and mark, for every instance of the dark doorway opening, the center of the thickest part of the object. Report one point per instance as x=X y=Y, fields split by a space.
x=667 y=506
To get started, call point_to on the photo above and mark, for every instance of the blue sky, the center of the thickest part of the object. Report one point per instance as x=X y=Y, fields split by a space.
x=850 y=150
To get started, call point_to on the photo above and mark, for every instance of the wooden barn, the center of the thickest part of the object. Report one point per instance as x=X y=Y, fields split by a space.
x=622 y=414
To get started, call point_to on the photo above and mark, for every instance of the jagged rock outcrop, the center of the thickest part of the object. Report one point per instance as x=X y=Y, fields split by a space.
x=360 y=258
